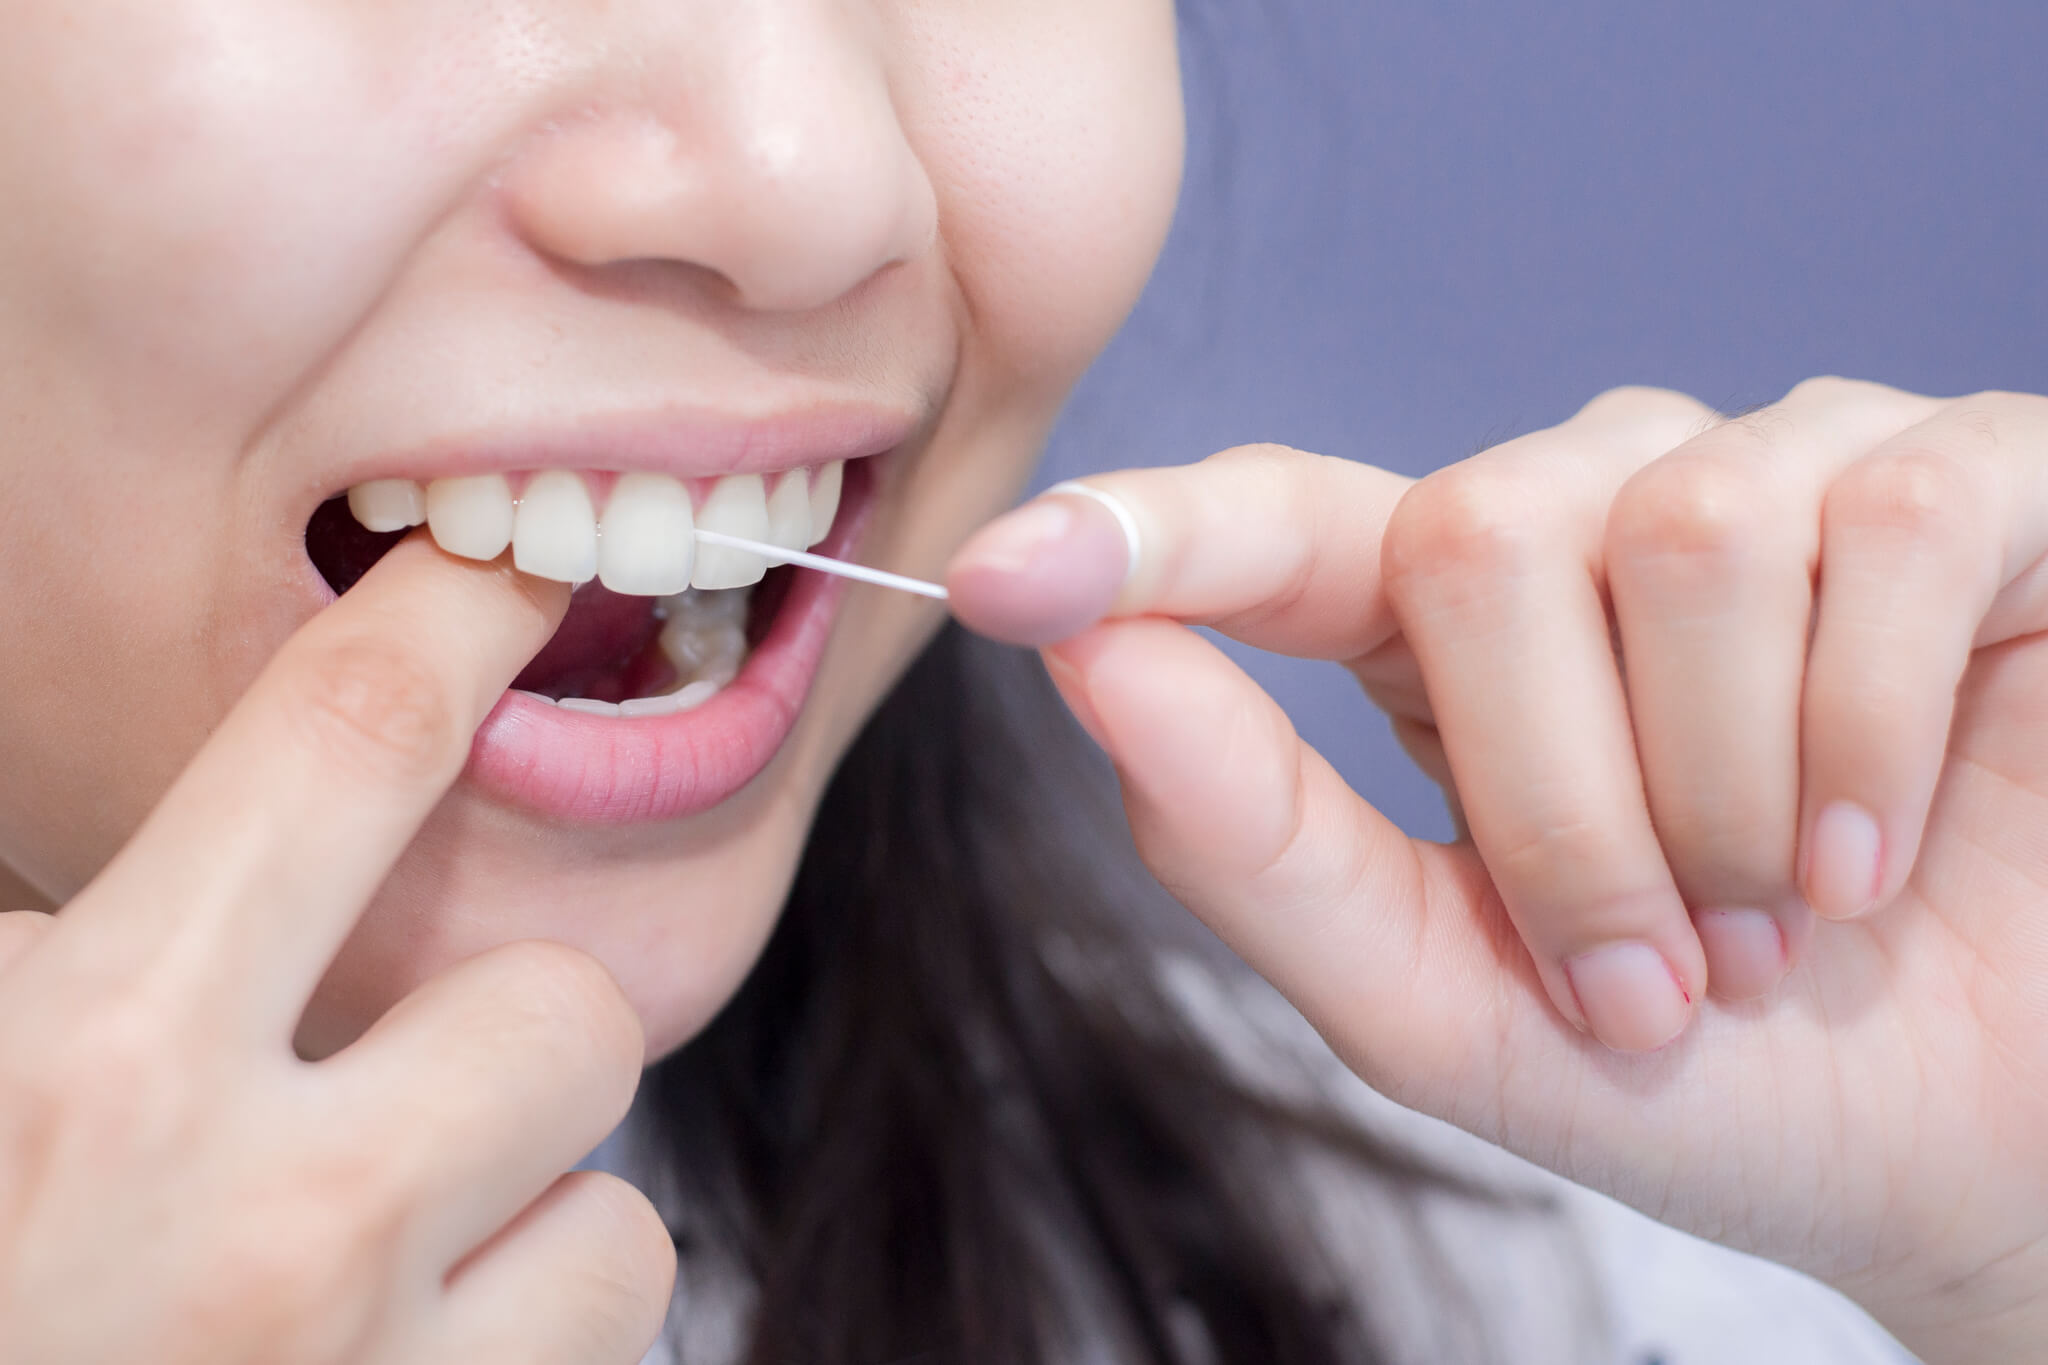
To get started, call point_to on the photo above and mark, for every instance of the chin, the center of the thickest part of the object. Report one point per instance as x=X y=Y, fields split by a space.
x=678 y=923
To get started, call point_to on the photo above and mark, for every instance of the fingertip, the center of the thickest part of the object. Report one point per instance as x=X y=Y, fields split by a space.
x=418 y=554
x=1630 y=996
x=1748 y=950
x=468 y=585
x=1842 y=865
x=1042 y=573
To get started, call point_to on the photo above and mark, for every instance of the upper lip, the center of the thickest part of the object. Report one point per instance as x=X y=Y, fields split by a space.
x=684 y=442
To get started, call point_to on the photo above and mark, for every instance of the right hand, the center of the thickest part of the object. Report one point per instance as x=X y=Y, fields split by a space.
x=1644 y=651
x=177 y=1186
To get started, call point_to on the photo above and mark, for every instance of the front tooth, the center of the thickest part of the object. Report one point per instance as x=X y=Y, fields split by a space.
x=555 y=533
x=789 y=512
x=388 y=504
x=738 y=506
x=825 y=484
x=471 y=517
x=649 y=541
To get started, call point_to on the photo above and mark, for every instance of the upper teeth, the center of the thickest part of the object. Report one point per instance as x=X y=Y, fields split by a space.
x=645 y=542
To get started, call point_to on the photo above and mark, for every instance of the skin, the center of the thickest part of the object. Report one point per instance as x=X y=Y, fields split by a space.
x=1867 y=1106
x=252 y=249
x=329 y=232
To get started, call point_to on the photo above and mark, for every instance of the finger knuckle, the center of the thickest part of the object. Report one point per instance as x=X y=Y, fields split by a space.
x=1834 y=390
x=1841 y=715
x=1463 y=522
x=1645 y=403
x=1918 y=494
x=1693 y=506
x=1265 y=455
x=2032 y=406
x=632 y=1273
x=376 y=705
x=111 y=1080
x=1553 y=851
x=1989 y=419
x=564 y=997
x=301 y=1285
x=1300 y=486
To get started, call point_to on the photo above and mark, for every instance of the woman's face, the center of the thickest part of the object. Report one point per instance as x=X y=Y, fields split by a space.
x=259 y=252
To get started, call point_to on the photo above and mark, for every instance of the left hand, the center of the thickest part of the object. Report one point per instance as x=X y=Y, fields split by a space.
x=1834 y=605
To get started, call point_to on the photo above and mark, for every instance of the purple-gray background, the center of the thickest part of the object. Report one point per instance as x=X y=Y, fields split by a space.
x=1412 y=229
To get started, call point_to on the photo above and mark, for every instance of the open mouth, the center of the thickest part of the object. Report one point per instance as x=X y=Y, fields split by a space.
x=656 y=624
x=678 y=669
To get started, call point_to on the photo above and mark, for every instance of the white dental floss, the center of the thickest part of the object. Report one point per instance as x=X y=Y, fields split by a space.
x=803 y=559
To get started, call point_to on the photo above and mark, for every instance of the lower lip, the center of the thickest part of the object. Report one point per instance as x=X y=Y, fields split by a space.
x=603 y=770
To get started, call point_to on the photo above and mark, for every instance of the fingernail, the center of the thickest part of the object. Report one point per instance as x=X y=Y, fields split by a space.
x=1015 y=541
x=1842 y=861
x=1630 y=996
x=1746 y=954
x=1115 y=506
x=1042 y=573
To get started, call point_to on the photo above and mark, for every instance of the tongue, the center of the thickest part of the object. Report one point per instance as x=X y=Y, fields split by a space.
x=601 y=636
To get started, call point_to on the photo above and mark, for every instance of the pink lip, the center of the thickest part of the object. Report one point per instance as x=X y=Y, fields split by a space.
x=603 y=770
x=685 y=442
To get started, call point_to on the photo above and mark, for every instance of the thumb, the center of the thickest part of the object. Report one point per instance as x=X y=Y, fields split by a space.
x=1398 y=951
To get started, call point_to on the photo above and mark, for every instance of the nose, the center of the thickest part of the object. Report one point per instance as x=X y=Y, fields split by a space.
x=757 y=141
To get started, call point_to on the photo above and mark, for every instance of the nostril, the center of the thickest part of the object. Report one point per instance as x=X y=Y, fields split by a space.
x=341 y=548
x=788 y=189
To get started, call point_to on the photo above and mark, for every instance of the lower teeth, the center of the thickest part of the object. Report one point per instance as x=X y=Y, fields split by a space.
x=704 y=635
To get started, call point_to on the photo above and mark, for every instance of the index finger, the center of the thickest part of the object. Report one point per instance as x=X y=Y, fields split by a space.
x=247 y=876
x=1275 y=547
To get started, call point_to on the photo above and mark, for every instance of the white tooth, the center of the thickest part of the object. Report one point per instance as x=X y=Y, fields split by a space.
x=825 y=484
x=589 y=707
x=648 y=541
x=696 y=694
x=708 y=606
x=789 y=512
x=471 y=517
x=388 y=504
x=555 y=534
x=685 y=698
x=534 y=696
x=694 y=647
x=738 y=506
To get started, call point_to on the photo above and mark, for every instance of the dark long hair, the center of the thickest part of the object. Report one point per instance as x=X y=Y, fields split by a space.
x=953 y=1098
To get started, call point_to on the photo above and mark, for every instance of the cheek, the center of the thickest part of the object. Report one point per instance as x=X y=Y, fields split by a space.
x=204 y=196
x=1053 y=132
x=131 y=621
